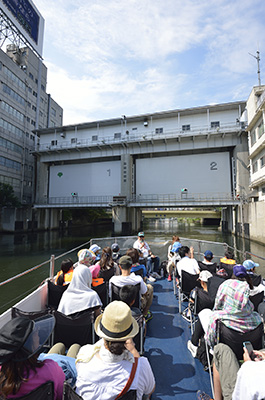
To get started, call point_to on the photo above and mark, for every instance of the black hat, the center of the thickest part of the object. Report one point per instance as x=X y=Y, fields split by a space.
x=21 y=337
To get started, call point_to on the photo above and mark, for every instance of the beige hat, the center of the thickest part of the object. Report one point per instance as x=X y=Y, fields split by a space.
x=116 y=323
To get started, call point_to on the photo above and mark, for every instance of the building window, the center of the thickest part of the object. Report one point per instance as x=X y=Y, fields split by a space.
x=31 y=76
x=255 y=167
x=260 y=130
x=13 y=94
x=53 y=112
x=30 y=89
x=215 y=124
x=263 y=190
x=262 y=162
x=134 y=129
x=6 y=162
x=43 y=87
x=73 y=140
x=54 y=142
x=186 y=127
x=253 y=137
x=117 y=135
x=33 y=123
x=34 y=108
x=94 y=138
x=12 y=111
x=34 y=93
x=158 y=130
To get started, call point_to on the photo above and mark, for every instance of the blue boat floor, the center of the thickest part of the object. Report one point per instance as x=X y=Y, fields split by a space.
x=178 y=375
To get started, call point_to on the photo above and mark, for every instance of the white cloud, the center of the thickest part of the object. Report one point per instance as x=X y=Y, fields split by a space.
x=108 y=57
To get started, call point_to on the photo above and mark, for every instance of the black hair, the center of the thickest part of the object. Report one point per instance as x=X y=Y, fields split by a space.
x=229 y=254
x=65 y=267
x=246 y=278
x=128 y=294
x=116 y=348
x=134 y=254
x=183 y=251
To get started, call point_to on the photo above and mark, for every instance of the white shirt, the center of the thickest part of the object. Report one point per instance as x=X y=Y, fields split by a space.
x=189 y=265
x=97 y=379
x=132 y=279
x=143 y=247
x=250 y=381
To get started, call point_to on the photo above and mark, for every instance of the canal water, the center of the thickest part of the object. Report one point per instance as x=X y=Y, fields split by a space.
x=20 y=252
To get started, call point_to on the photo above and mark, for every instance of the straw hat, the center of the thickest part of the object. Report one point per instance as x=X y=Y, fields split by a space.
x=116 y=323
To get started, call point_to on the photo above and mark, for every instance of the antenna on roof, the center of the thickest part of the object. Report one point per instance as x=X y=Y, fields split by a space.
x=258 y=60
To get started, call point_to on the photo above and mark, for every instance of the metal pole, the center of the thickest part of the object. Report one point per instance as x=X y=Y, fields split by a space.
x=52 y=266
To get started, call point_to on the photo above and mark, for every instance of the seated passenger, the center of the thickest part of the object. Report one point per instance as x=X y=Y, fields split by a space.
x=256 y=279
x=234 y=382
x=202 y=292
x=207 y=263
x=85 y=257
x=187 y=262
x=103 y=369
x=227 y=263
x=232 y=306
x=21 y=340
x=115 y=249
x=96 y=250
x=151 y=261
x=137 y=268
x=128 y=278
x=79 y=297
x=65 y=276
x=128 y=295
x=105 y=268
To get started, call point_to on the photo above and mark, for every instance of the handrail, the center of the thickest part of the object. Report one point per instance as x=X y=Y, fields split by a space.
x=53 y=258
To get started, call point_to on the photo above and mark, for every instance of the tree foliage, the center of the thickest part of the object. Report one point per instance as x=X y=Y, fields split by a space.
x=7 y=196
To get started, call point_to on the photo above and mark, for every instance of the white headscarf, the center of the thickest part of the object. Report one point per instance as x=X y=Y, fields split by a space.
x=79 y=296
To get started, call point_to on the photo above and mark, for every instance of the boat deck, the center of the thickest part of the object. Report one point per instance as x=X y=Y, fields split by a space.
x=178 y=375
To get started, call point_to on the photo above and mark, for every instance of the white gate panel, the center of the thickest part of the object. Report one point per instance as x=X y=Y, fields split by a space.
x=89 y=179
x=199 y=173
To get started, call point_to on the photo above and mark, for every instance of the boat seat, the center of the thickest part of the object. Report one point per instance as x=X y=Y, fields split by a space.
x=257 y=299
x=69 y=393
x=202 y=300
x=74 y=329
x=43 y=392
x=186 y=284
x=115 y=294
x=55 y=293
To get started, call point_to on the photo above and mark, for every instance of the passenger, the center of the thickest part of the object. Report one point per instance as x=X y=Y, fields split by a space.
x=115 y=249
x=227 y=263
x=128 y=295
x=233 y=382
x=207 y=263
x=65 y=276
x=147 y=257
x=202 y=293
x=138 y=269
x=106 y=267
x=256 y=279
x=232 y=306
x=79 y=297
x=96 y=250
x=187 y=262
x=85 y=257
x=128 y=278
x=173 y=256
x=103 y=369
x=21 y=340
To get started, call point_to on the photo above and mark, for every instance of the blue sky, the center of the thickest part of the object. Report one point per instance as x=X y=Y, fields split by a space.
x=107 y=58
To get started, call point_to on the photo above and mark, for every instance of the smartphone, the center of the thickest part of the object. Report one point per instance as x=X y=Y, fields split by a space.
x=249 y=348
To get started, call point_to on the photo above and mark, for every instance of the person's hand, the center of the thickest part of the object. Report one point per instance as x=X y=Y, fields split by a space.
x=258 y=355
x=246 y=356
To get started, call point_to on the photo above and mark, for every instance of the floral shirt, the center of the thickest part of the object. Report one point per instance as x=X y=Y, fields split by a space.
x=233 y=307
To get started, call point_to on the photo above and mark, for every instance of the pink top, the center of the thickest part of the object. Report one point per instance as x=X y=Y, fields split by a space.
x=50 y=371
x=94 y=269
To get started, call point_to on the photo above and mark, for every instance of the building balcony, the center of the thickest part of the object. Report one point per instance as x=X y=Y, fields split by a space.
x=59 y=144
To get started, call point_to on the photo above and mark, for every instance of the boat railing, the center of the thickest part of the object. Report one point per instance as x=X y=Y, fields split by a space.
x=48 y=269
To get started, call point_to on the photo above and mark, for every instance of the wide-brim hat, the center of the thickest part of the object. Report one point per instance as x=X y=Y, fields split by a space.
x=21 y=337
x=205 y=276
x=116 y=323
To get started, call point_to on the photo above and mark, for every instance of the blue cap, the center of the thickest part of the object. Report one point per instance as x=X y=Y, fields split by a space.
x=141 y=234
x=249 y=264
x=208 y=253
x=240 y=271
x=176 y=246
